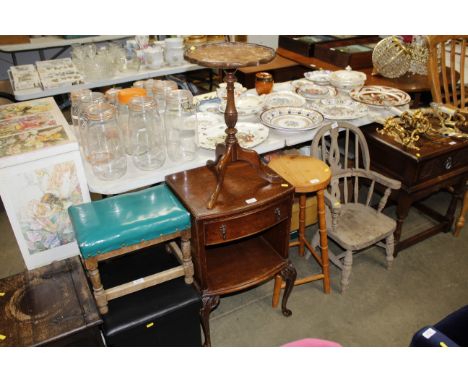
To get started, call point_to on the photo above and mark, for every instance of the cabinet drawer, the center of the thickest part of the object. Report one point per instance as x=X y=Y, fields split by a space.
x=239 y=226
x=443 y=164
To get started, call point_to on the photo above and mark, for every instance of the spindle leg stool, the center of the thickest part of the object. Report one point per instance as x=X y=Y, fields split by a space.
x=121 y=224
x=308 y=175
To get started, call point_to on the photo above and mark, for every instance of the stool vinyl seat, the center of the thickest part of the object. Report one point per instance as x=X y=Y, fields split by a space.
x=108 y=224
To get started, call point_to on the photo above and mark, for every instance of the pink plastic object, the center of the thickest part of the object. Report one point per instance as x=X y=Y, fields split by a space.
x=311 y=342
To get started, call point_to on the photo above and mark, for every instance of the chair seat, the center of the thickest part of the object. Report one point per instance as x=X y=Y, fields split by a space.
x=360 y=226
x=120 y=221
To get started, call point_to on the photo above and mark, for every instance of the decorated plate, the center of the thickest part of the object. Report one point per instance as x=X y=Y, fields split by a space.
x=283 y=99
x=319 y=77
x=298 y=83
x=291 y=118
x=246 y=104
x=248 y=134
x=380 y=96
x=209 y=105
x=340 y=108
x=312 y=91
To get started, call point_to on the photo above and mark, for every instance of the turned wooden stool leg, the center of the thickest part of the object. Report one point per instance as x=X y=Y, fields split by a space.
x=323 y=240
x=461 y=219
x=187 y=257
x=98 y=290
x=276 y=291
x=302 y=212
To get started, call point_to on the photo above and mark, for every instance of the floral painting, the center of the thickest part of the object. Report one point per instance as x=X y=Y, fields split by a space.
x=18 y=125
x=30 y=140
x=21 y=109
x=43 y=197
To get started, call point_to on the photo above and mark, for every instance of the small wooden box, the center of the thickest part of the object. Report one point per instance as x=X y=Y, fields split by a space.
x=49 y=306
x=10 y=40
x=356 y=52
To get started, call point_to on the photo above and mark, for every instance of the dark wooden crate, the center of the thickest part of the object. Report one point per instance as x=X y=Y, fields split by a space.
x=49 y=306
x=328 y=52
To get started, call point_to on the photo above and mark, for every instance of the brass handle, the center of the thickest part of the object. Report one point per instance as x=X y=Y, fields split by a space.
x=222 y=229
x=277 y=213
x=448 y=163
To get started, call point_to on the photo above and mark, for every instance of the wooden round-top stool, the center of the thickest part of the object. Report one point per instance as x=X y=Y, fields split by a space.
x=307 y=174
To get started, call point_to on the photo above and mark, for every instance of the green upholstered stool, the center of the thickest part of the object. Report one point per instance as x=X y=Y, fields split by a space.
x=121 y=224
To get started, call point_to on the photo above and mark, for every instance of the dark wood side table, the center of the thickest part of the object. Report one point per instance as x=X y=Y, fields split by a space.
x=435 y=166
x=243 y=240
x=49 y=306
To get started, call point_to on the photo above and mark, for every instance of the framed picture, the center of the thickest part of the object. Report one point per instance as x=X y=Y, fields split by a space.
x=36 y=196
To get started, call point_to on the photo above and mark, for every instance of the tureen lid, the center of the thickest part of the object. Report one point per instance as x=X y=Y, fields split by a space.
x=348 y=76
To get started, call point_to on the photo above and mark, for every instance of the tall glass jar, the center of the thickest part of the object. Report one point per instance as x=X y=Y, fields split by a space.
x=111 y=96
x=145 y=141
x=94 y=98
x=104 y=145
x=75 y=109
x=124 y=96
x=160 y=90
x=181 y=126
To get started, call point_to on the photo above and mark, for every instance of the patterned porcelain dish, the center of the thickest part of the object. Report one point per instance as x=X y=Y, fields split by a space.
x=340 y=108
x=208 y=119
x=291 y=118
x=380 y=96
x=319 y=77
x=247 y=104
x=298 y=83
x=312 y=91
x=248 y=134
x=209 y=105
x=348 y=79
x=283 y=99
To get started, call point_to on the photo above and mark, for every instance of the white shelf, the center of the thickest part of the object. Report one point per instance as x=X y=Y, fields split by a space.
x=45 y=42
x=128 y=76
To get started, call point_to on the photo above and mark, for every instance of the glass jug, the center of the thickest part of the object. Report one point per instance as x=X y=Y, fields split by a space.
x=181 y=126
x=93 y=98
x=106 y=152
x=145 y=142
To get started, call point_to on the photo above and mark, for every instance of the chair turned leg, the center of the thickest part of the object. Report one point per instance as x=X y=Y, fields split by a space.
x=276 y=291
x=346 y=272
x=461 y=219
x=98 y=290
x=187 y=257
x=389 y=248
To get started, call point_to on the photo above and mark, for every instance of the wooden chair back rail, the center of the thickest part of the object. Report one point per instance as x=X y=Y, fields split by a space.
x=444 y=87
x=342 y=196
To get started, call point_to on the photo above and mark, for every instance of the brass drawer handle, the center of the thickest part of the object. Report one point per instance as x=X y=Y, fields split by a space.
x=222 y=229
x=278 y=213
x=448 y=163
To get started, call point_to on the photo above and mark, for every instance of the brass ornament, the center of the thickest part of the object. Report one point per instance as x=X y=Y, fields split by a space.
x=434 y=123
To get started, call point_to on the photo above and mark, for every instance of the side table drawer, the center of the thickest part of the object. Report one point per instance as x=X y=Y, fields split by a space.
x=239 y=226
x=443 y=164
